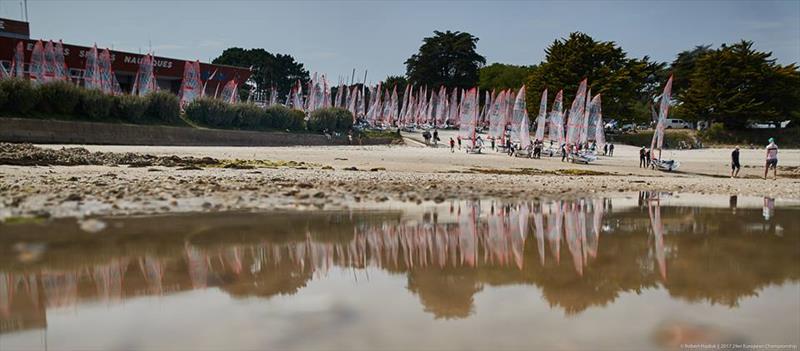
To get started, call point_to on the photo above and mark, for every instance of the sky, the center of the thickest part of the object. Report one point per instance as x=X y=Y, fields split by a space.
x=335 y=37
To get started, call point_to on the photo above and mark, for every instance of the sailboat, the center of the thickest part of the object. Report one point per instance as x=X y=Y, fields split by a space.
x=520 y=125
x=469 y=116
x=658 y=134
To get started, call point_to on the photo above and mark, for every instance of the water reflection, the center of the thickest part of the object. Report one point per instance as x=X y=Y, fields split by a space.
x=448 y=254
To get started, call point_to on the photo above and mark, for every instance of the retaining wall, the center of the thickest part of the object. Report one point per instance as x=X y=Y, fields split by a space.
x=39 y=131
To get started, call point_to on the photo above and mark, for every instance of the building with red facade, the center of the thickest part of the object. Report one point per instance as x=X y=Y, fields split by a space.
x=168 y=71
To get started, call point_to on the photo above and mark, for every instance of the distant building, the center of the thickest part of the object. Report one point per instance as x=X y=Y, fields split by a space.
x=168 y=71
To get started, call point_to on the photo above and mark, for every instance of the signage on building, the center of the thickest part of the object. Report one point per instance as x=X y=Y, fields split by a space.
x=14 y=29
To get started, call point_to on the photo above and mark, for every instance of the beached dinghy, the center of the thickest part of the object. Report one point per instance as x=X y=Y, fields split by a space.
x=584 y=157
x=666 y=165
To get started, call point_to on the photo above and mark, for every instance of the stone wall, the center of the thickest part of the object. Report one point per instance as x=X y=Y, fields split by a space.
x=40 y=131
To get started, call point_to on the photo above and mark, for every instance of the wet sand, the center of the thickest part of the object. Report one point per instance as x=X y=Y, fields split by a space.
x=326 y=178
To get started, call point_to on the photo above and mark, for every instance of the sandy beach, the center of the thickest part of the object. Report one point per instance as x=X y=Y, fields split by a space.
x=346 y=176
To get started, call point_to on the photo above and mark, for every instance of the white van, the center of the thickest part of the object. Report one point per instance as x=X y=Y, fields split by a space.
x=676 y=124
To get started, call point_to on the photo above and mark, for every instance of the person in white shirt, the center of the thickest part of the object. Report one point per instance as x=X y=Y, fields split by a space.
x=772 y=159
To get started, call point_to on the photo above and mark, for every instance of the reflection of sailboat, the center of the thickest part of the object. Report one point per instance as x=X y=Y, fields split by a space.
x=554 y=224
x=572 y=236
x=108 y=279
x=518 y=219
x=539 y=233
x=153 y=272
x=198 y=267
x=654 y=209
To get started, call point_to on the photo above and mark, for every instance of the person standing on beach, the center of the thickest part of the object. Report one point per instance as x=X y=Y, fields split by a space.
x=647 y=158
x=435 y=137
x=611 y=149
x=563 y=152
x=605 y=150
x=735 y=166
x=772 y=159
x=642 y=161
x=452 y=145
x=459 y=142
x=492 y=143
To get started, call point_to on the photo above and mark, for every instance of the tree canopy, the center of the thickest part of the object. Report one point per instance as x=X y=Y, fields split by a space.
x=447 y=58
x=503 y=76
x=278 y=70
x=624 y=82
x=736 y=84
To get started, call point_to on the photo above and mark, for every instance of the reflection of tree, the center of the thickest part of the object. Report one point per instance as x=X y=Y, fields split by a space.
x=448 y=295
x=713 y=255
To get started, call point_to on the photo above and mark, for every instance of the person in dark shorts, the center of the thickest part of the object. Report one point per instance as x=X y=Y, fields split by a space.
x=452 y=145
x=611 y=149
x=642 y=159
x=735 y=166
x=772 y=159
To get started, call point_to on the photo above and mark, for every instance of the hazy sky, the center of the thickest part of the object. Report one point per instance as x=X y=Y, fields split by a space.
x=333 y=37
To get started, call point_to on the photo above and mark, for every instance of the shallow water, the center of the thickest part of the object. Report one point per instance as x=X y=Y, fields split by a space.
x=648 y=272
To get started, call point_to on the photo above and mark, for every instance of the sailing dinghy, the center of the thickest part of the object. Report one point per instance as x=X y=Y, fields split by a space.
x=658 y=134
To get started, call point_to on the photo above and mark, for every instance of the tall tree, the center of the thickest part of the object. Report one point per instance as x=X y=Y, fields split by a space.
x=624 y=82
x=503 y=76
x=278 y=70
x=736 y=84
x=683 y=66
x=447 y=58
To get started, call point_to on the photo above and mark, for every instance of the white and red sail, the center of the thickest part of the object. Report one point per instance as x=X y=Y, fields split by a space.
x=36 y=70
x=556 y=130
x=520 y=122
x=191 y=85
x=145 y=81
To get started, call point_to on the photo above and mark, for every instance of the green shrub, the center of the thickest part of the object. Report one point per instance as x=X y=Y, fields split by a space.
x=95 y=104
x=716 y=132
x=211 y=112
x=277 y=117
x=331 y=120
x=21 y=96
x=250 y=116
x=60 y=97
x=296 y=120
x=3 y=97
x=163 y=106
x=130 y=108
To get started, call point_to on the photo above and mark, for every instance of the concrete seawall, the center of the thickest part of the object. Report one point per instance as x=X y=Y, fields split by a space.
x=40 y=131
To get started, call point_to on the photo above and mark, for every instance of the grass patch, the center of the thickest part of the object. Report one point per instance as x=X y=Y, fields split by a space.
x=580 y=172
x=672 y=138
x=389 y=134
x=514 y=171
x=251 y=164
x=534 y=171
x=24 y=220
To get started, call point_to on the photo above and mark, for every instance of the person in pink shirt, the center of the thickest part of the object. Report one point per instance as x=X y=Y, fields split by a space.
x=772 y=159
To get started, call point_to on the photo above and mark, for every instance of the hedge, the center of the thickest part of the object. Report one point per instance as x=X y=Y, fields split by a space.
x=215 y=113
x=58 y=99
x=21 y=96
x=331 y=120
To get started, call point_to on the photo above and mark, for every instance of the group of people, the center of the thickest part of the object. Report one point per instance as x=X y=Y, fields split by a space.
x=433 y=138
x=574 y=150
x=771 y=160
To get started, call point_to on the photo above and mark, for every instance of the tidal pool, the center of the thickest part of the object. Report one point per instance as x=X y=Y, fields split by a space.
x=653 y=271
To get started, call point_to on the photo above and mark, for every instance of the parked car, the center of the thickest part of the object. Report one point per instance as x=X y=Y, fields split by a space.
x=672 y=123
